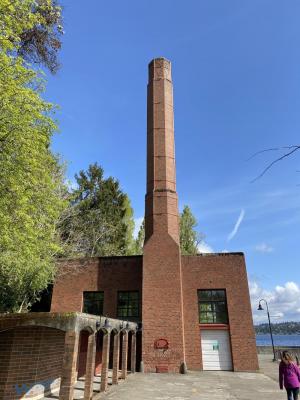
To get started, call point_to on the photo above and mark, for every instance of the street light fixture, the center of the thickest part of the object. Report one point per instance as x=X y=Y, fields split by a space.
x=260 y=308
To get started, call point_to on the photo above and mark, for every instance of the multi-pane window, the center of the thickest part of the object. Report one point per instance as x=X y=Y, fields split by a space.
x=212 y=307
x=128 y=305
x=93 y=302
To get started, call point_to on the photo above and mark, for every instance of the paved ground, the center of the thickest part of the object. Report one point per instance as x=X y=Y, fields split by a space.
x=195 y=386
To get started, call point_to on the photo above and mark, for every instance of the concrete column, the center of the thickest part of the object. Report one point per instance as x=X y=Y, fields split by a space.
x=124 y=355
x=116 y=356
x=133 y=352
x=68 y=375
x=105 y=362
x=90 y=367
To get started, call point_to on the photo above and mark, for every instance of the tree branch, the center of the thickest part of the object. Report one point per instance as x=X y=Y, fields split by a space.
x=292 y=149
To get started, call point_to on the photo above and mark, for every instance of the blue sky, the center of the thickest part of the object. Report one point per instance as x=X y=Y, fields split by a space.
x=236 y=75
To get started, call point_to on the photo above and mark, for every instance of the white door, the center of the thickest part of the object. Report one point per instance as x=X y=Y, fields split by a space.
x=216 y=351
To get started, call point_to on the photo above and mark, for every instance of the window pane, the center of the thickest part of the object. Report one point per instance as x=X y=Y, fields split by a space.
x=206 y=318
x=212 y=306
x=128 y=304
x=205 y=306
x=93 y=302
x=134 y=295
x=123 y=296
x=204 y=295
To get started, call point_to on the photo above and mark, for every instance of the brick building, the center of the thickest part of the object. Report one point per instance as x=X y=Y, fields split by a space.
x=195 y=310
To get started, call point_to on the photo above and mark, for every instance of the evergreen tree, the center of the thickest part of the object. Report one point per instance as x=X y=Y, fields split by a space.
x=189 y=237
x=99 y=220
x=30 y=176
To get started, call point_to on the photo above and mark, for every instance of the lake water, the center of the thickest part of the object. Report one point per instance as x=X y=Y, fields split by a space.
x=279 y=340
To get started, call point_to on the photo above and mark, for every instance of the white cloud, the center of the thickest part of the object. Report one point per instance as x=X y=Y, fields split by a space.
x=237 y=225
x=283 y=301
x=225 y=251
x=137 y=225
x=264 y=248
x=203 y=247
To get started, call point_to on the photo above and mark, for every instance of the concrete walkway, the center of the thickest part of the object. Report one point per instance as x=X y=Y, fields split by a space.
x=204 y=385
x=197 y=385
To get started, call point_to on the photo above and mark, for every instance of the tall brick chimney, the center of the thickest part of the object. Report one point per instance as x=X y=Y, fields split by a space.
x=163 y=331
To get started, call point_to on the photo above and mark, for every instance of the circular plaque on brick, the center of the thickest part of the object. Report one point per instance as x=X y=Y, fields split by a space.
x=162 y=344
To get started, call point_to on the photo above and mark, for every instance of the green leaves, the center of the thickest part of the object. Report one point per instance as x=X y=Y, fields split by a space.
x=99 y=219
x=30 y=176
x=189 y=238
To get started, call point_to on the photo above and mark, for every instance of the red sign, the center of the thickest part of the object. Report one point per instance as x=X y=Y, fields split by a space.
x=161 y=344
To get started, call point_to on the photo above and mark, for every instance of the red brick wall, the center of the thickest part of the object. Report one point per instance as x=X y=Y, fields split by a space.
x=108 y=274
x=162 y=305
x=219 y=271
x=31 y=361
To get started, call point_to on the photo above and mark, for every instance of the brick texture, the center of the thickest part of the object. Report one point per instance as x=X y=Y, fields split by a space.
x=219 y=271
x=30 y=361
x=108 y=274
x=69 y=373
x=162 y=291
x=105 y=361
x=90 y=367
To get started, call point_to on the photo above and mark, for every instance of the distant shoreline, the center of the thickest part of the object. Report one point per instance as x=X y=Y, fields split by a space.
x=280 y=328
x=278 y=334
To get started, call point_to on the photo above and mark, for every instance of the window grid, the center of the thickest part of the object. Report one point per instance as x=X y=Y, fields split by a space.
x=93 y=302
x=128 y=304
x=212 y=307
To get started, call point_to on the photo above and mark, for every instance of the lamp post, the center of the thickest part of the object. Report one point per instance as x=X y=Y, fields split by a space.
x=260 y=308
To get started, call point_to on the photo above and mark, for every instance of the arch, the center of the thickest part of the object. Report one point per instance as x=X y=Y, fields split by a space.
x=139 y=338
x=113 y=333
x=99 y=348
x=129 y=350
x=87 y=328
x=82 y=352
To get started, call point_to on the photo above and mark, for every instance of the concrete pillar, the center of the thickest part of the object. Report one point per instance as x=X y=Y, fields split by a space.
x=105 y=361
x=124 y=355
x=133 y=352
x=90 y=367
x=68 y=375
x=116 y=356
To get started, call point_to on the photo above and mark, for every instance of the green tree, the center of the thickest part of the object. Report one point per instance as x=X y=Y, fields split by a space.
x=99 y=219
x=139 y=241
x=129 y=224
x=189 y=237
x=33 y=29
x=30 y=176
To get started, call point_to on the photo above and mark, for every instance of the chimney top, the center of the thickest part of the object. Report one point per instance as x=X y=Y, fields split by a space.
x=160 y=68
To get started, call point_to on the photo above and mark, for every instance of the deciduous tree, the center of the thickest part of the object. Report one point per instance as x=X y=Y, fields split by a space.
x=30 y=175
